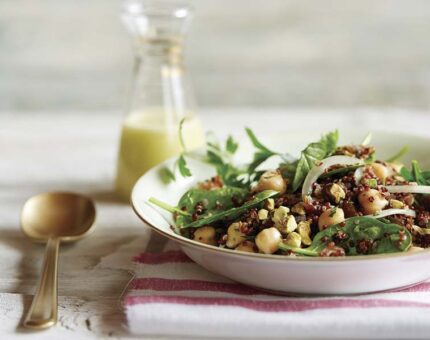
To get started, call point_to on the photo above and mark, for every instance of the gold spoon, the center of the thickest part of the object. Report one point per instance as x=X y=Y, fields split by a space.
x=53 y=218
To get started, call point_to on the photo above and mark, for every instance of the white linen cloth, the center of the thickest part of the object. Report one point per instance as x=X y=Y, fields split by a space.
x=171 y=295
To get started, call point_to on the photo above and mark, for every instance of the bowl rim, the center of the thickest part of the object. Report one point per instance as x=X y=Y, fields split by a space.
x=188 y=242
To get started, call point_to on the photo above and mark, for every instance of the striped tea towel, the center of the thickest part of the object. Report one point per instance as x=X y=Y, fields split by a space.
x=171 y=295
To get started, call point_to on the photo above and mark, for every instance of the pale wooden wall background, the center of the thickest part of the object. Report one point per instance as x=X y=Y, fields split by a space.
x=74 y=54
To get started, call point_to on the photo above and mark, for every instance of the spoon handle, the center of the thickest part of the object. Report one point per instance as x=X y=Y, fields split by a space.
x=43 y=310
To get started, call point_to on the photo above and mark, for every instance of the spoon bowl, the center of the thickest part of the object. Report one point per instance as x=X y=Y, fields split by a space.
x=62 y=215
x=53 y=218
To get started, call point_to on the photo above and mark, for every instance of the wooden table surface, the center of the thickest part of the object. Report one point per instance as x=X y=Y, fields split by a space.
x=77 y=151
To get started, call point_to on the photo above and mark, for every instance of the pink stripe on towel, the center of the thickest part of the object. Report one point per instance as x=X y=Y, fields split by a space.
x=160 y=284
x=296 y=305
x=169 y=282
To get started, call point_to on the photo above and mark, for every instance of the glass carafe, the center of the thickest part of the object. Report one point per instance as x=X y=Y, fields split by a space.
x=160 y=93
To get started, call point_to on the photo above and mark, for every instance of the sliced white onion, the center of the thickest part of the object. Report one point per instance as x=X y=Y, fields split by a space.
x=421 y=231
x=367 y=139
x=358 y=175
x=389 y=212
x=413 y=189
x=319 y=169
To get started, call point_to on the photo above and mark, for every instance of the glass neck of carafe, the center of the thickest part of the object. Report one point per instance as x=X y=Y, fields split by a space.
x=159 y=81
x=165 y=51
x=159 y=85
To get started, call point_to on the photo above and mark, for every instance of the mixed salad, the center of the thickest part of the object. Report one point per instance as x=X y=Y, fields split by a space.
x=334 y=200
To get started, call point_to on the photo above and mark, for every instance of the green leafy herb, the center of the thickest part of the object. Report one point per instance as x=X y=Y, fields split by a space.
x=398 y=155
x=167 y=174
x=406 y=174
x=317 y=151
x=232 y=212
x=261 y=155
x=378 y=237
x=168 y=207
x=183 y=167
x=288 y=170
x=214 y=200
x=257 y=143
x=416 y=174
x=181 y=136
x=341 y=171
x=426 y=175
x=231 y=145
x=222 y=161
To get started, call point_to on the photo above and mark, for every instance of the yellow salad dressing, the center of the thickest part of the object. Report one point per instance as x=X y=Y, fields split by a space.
x=147 y=139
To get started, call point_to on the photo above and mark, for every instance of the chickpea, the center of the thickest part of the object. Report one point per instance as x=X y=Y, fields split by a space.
x=247 y=246
x=234 y=235
x=372 y=201
x=330 y=216
x=293 y=240
x=205 y=235
x=268 y=240
x=380 y=171
x=304 y=230
x=272 y=180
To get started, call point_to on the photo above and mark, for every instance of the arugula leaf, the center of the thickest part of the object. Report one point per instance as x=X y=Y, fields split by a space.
x=261 y=155
x=184 y=170
x=168 y=207
x=341 y=171
x=183 y=167
x=312 y=153
x=426 y=175
x=214 y=200
x=214 y=157
x=221 y=160
x=231 y=145
x=257 y=143
x=259 y=158
x=416 y=174
x=330 y=140
x=288 y=170
x=406 y=174
x=385 y=237
x=167 y=175
x=181 y=137
x=398 y=154
x=233 y=213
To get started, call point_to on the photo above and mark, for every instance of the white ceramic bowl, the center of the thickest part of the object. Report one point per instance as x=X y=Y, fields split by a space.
x=301 y=275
